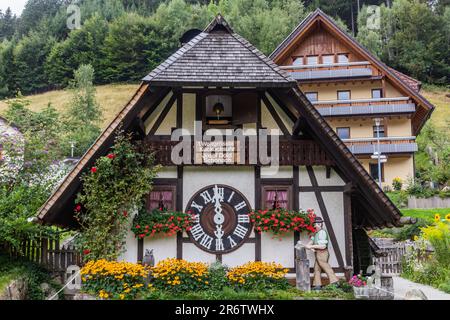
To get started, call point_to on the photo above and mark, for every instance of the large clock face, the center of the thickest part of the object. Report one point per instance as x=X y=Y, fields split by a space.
x=222 y=223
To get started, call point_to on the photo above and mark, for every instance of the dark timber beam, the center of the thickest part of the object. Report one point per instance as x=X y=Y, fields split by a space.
x=275 y=116
x=163 y=114
x=326 y=217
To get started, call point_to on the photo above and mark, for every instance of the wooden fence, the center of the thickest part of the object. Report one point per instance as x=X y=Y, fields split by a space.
x=48 y=253
x=391 y=263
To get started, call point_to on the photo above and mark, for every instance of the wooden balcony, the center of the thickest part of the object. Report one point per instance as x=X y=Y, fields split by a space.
x=292 y=152
x=305 y=73
x=359 y=107
x=388 y=145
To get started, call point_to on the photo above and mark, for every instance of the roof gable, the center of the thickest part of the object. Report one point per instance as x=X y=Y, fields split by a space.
x=219 y=57
x=407 y=84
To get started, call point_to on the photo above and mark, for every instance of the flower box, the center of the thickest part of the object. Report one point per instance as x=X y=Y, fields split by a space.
x=361 y=292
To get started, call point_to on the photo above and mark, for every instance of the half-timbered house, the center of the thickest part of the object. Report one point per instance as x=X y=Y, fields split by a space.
x=218 y=83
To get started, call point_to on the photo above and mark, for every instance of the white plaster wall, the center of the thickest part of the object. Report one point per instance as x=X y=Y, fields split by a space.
x=321 y=176
x=335 y=207
x=196 y=178
x=194 y=254
x=284 y=172
x=276 y=250
x=168 y=173
x=240 y=256
x=155 y=114
x=189 y=112
x=163 y=247
x=130 y=248
x=170 y=121
x=283 y=116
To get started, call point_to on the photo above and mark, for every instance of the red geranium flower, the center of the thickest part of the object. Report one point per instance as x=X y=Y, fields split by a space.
x=111 y=156
x=93 y=169
x=78 y=208
x=125 y=214
x=86 y=252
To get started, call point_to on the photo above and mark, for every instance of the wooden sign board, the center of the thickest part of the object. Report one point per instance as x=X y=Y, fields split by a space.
x=217 y=152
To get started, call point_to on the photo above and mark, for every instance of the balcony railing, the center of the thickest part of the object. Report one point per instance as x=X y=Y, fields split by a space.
x=331 y=71
x=387 y=145
x=336 y=108
x=292 y=152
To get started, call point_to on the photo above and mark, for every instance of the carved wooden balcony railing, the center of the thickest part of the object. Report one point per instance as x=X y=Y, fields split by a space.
x=292 y=152
x=357 y=107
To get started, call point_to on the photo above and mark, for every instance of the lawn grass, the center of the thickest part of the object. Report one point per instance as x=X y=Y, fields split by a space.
x=425 y=214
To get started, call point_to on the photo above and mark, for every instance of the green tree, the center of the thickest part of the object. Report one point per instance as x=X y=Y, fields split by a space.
x=132 y=48
x=84 y=114
x=7 y=24
x=28 y=172
x=36 y=10
x=8 y=85
x=83 y=46
x=29 y=60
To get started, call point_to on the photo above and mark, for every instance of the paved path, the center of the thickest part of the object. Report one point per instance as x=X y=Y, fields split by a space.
x=401 y=286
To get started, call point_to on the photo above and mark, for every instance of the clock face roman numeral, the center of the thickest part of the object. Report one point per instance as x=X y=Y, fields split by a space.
x=232 y=242
x=196 y=206
x=206 y=241
x=219 y=193
x=243 y=218
x=197 y=232
x=240 y=231
x=206 y=197
x=219 y=245
x=231 y=197
x=240 y=206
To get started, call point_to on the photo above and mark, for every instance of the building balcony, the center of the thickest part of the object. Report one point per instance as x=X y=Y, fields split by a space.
x=360 y=107
x=291 y=152
x=348 y=70
x=388 y=145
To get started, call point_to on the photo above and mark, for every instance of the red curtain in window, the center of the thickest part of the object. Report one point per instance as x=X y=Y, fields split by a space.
x=276 y=198
x=160 y=198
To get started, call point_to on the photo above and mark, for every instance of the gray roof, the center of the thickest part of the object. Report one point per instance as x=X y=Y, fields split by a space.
x=219 y=57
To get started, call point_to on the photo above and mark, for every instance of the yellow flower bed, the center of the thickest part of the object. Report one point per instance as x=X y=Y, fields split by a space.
x=180 y=275
x=259 y=274
x=113 y=280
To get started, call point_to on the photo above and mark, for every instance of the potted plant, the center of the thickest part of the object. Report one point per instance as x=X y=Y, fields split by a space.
x=360 y=288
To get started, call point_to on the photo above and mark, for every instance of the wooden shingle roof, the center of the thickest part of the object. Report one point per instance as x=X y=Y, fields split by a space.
x=219 y=57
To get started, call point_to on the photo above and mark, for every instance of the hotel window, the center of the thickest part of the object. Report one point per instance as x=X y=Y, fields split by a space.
x=328 y=59
x=373 y=168
x=298 y=61
x=277 y=197
x=161 y=197
x=343 y=95
x=343 y=58
x=343 y=133
x=380 y=130
x=312 y=60
x=377 y=93
x=312 y=96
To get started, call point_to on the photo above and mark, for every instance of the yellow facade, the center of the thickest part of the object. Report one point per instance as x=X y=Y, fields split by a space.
x=401 y=166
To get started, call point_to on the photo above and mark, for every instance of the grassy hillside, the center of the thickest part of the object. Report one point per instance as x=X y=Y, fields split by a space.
x=437 y=96
x=113 y=98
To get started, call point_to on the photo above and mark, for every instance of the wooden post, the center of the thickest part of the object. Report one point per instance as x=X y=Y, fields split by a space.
x=303 y=279
x=44 y=251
